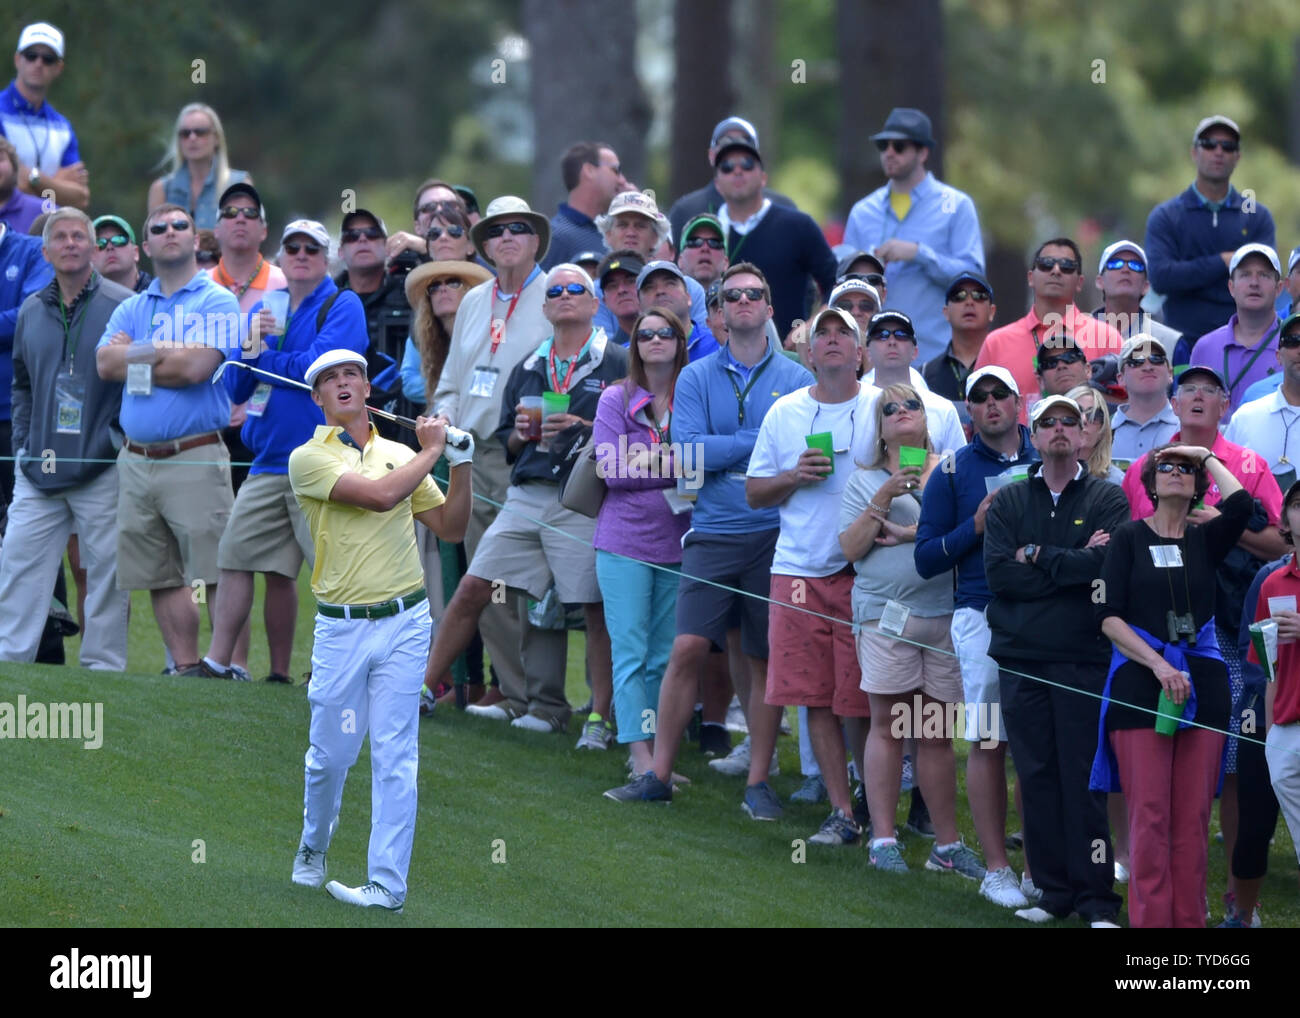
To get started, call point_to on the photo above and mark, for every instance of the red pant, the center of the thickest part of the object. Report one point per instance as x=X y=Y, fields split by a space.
x=1169 y=784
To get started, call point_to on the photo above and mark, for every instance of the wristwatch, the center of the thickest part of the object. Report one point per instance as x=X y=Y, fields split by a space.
x=1031 y=551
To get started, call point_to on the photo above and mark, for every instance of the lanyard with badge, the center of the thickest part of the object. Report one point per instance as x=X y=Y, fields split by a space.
x=552 y=367
x=257 y=402
x=139 y=361
x=484 y=382
x=742 y=394
x=1263 y=345
x=69 y=390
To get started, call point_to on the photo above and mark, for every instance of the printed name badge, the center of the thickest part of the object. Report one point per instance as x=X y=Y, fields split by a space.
x=894 y=618
x=484 y=382
x=139 y=379
x=676 y=503
x=257 y=402
x=70 y=397
x=1286 y=603
x=1167 y=556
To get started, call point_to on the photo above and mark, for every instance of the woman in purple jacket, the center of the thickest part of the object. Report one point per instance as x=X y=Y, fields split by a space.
x=640 y=526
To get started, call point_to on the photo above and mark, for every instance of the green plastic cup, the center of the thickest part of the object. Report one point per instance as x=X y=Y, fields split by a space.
x=823 y=442
x=1170 y=714
x=910 y=456
x=555 y=403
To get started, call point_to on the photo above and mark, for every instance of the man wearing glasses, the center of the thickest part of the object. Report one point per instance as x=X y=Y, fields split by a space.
x=1269 y=424
x=702 y=250
x=1122 y=280
x=1192 y=236
x=1055 y=278
x=117 y=256
x=891 y=344
x=968 y=309
x=48 y=157
x=165 y=344
x=1044 y=541
x=1147 y=420
x=923 y=230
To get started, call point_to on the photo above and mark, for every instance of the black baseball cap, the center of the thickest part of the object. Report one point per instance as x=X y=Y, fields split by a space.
x=242 y=188
x=842 y=269
x=967 y=277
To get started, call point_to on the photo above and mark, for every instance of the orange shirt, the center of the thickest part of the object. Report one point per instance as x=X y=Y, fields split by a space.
x=268 y=277
x=1013 y=347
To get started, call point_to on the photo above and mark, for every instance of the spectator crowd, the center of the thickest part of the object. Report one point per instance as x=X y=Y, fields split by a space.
x=759 y=472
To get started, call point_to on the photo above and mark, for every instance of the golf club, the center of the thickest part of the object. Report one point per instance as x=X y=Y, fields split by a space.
x=456 y=438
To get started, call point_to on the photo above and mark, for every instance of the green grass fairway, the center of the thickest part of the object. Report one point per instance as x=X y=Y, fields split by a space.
x=108 y=837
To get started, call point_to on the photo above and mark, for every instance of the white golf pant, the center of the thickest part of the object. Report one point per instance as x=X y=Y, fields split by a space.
x=366 y=677
x=39 y=524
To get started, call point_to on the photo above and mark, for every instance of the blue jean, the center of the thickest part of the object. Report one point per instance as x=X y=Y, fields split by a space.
x=640 y=614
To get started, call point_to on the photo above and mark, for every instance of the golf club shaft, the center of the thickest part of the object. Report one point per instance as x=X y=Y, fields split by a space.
x=456 y=438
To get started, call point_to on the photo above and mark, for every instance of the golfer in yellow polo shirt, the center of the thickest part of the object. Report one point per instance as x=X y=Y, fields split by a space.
x=359 y=493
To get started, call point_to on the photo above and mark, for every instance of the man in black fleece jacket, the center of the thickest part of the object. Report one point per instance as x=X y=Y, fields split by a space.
x=1044 y=542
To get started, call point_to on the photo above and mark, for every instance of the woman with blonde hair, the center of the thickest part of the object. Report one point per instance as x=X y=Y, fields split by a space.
x=197 y=167
x=1096 y=434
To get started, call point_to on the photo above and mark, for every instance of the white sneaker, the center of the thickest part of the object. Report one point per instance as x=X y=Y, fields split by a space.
x=309 y=867
x=736 y=717
x=371 y=895
x=1035 y=915
x=493 y=712
x=427 y=701
x=736 y=763
x=1002 y=888
x=1032 y=894
x=1104 y=924
x=1121 y=873
x=532 y=723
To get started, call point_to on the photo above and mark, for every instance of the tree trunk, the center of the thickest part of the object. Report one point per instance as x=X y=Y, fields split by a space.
x=584 y=86
x=702 y=92
x=890 y=54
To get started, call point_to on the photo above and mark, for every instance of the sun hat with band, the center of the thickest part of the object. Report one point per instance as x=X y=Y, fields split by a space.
x=509 y=207
x=419 y=278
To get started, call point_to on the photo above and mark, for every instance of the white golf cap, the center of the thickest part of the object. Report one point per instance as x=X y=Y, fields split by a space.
x=992 y=371
x=309 y=228
x=1138 y=342
x=1115 y=248
x=1047 y=402
x=855 y=286
x=842 y=315
x=332 y=359
x=1218 y=120
x=42 y=33
x=1246 y=250
x=1291 y=261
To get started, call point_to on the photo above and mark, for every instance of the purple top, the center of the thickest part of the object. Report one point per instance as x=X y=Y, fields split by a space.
x=634 y=519
x=20 y=211
x=1221 y=351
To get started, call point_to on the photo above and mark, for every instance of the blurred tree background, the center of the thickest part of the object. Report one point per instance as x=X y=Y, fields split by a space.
x=1056 y=117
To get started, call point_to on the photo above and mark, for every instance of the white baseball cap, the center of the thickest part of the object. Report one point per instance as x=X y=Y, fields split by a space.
x=332 y=359
x=307 y=227
x=1044 y=404
x=1114 y=249
x=1246 y=250
x=1218 y=120
x=992 y=371
x=842 y=315
x=42 y=33
x=855 y=286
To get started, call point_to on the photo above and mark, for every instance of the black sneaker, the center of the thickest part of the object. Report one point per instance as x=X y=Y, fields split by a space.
x=208 y=672
x=715 y=740
x=695 y=726
x=860 y=811
x=918 y=817
x=284 y=680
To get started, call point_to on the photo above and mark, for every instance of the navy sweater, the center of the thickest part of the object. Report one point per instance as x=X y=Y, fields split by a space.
x=789 y=247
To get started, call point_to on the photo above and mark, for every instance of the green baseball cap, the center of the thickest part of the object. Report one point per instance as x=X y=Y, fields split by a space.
x=704 y=219
x=117 y=221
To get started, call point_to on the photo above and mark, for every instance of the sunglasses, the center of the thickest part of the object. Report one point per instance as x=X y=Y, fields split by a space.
x=430 y=207
x=454 y=283
x=1156 y=360
x=1065 y=422
x=1069 y=357
x=663 y=332
x=865 y=306
x=981 y=395
x=1068 y=266
x=193 y=132
x=179 y=225
x=354 y=234
x=235 y=211
x=1212 y=143
x=713 y=243
x=733 y=294
x=1192 y=388
x=745 y=163
x=978 y=296
x=1290 y=340
x=573 y=288
x=874 y=278
x=293 y=247
x=899 y=145
x=893 y=406
x=1132 y=263
x=117 y=240
x=886 y=333
x=1169 y=468
x=434 y=232
x=497 y=229
x=48 y=59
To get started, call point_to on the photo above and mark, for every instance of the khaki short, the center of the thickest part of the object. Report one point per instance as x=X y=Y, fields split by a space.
x=171 y=514
x=267 y=532
x=891 y=666
x=521 y=553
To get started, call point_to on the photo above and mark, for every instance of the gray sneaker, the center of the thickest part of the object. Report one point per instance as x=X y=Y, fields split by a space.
x=837 y=829
x=643 y=788
x=889 y=858
x=761 y=803
x=1002 y=888
x=811 y=792
x=958 y=859
x=1032 y=894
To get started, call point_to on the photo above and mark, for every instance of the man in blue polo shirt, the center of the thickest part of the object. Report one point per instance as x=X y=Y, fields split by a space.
x=268 y=533
x=48 y=158
x=165 y=344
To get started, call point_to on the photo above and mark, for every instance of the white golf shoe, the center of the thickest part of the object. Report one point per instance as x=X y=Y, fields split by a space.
x=309 y=867
x=371 y=895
